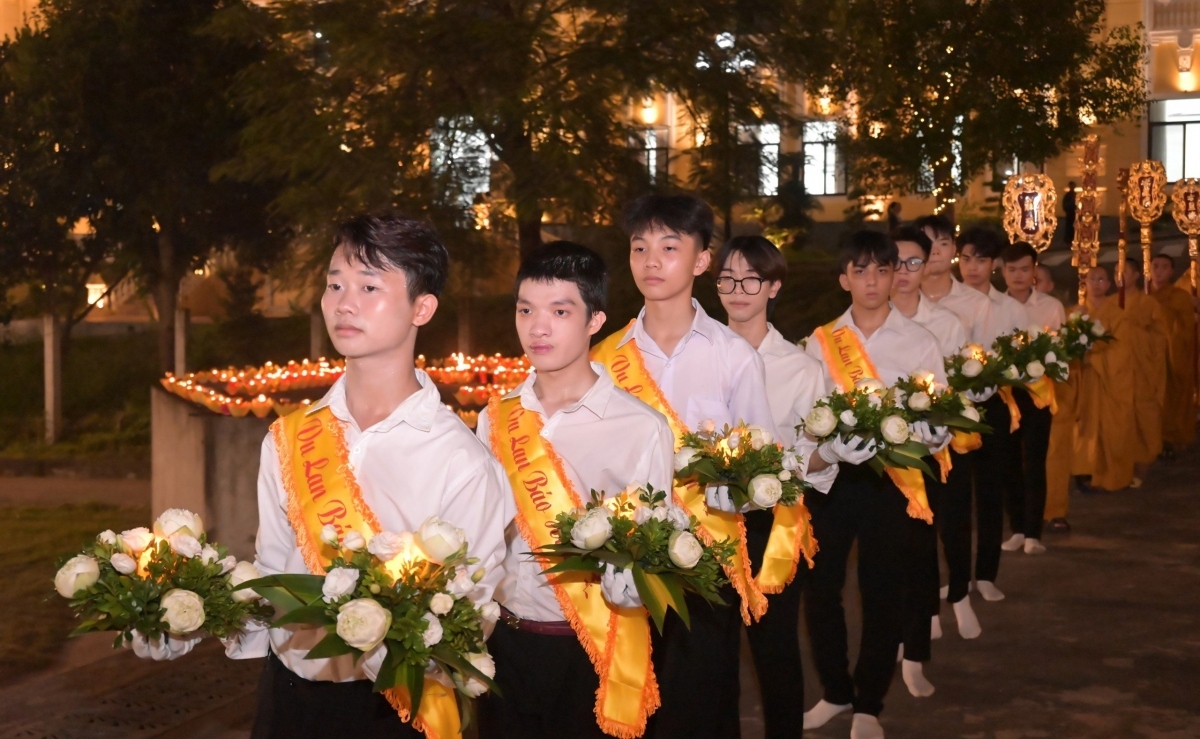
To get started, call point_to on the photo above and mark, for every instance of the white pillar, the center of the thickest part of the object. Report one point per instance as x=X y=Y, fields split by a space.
x=52 y=352
x=182 y=319
x=316 y=333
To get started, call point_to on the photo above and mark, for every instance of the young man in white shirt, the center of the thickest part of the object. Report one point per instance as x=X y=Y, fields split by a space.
x=750 y=272
x=602 y=439
x=979 y=253
x=1027 y=500
x=938 y=283
x=863 y=505
x=692 y=369
x=410 y=456
x=950 y=501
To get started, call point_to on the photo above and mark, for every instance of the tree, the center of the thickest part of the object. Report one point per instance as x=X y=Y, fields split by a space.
x=140 y=94
x=933 y=91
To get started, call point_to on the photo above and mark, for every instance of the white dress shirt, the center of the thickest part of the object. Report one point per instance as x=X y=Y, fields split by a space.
x=898 y=348
x=712 y=373
x=1044 y=310
x=972 y=308
x=420 y=461
x=795 y=382
x=1006 y=316
x=943 y=323
x=607 y=440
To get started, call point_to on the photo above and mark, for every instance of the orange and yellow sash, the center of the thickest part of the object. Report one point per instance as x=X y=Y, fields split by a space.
x=321 y=490
x=1041 y=391
x=616 y=639
x=791 y=534
x=848 y=362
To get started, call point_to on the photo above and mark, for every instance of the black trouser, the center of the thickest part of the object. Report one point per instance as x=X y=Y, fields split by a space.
x=871 y=509
x=1027 y=499
x=547 y=684
x=290 y=707
x=697 y=671
x=994 y=477
x=951 y=505
x=775 y=639
x=920 y=587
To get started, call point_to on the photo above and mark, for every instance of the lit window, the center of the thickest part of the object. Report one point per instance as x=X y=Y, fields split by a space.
x=655 y=154
x=824 y=173
x=757 y=161
x=1175 y=137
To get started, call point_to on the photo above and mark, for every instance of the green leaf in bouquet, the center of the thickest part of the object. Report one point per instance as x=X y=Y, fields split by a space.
x=287 y=592
x=394 y=670
x=314 y=615
x=911 y=448
x=894 y=458
x=416 y=687
x=449 y=657
x=657 y=596
x=331 y=646
x=703 y=468
x=576 y=564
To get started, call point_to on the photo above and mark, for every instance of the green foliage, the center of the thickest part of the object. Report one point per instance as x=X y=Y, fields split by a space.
x=1079 y=334
x=867 y=408
x=1018 y=352
x=730 y=458
x=947 y=407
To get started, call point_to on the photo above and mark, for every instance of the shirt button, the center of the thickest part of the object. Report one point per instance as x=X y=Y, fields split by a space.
x=357 y=449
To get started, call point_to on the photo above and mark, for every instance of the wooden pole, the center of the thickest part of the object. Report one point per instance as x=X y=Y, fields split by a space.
x=1122 y=244
x=52 y=373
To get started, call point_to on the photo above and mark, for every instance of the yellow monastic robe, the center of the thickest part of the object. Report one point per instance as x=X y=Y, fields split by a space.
x=1150 y=384
x=1105 y=435
x=1062 y=444
x=1179 y=411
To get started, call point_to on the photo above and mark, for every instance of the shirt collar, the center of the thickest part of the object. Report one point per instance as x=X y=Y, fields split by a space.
x=995 y=295
x=774 y=344
x=702 y=324
x=1035 y=297
x=594 y=400
x=417 y=410
x=891 y=323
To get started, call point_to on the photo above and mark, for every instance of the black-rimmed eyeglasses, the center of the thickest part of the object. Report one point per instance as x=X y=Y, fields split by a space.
x=750 y=285
x=912 y=264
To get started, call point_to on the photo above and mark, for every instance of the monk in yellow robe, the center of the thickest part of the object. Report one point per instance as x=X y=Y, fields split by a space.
x=1104 y=436
x=1179 y=412
x=1150 y=384
x=1061 y=450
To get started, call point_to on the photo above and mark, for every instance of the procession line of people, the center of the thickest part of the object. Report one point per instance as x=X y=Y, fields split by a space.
x=600 y=414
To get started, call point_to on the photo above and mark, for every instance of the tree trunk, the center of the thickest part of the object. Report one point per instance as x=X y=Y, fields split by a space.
x=529 y=228
x=166 y=298
x=52 y=373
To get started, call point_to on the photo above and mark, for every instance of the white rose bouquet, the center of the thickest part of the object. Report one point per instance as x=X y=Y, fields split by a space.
x=974 y=369
x=404 y=590
x=167 y=582
x=1028 y=356
x=868 y=412
x=919 y=398
x=1078 y=335
x=640 y=530
x=756 y=469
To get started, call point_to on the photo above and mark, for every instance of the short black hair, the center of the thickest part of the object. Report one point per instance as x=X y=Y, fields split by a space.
x=939 y=224
x=390 y=242
x=568 y=262
x=867 y=247
x=680 y=213
x=762 y=256
x=1018 y=251
x=986 y=242
x=1135 y=263
x=914 y=235
x=1170 y=259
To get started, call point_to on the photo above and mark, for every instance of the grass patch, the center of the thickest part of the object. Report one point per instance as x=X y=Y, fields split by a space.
x=34 y=619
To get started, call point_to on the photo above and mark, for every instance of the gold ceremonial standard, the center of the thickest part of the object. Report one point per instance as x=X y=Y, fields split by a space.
x=1185 y=206
x=1147 y=196
x=1122 y=244
x=1029 y=209
x=1087 y=214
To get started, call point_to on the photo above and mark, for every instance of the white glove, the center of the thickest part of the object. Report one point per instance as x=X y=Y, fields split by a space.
x=851 y=451
x=981 y=396
x=936 y=438
x=717 y=497
x=618 y=588
x=166 y=647
x=373 y=660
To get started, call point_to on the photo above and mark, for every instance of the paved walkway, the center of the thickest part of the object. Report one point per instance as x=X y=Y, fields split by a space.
x=1098 y=638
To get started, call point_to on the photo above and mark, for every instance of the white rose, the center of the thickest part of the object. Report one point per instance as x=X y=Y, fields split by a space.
x=1035 y=369
x=490 y=612
x=592 y=530
x=972 y=368
x=847 y=417
x=123 y=563
x=184 y=544
x=472 y=687
x=461 y=586
x=108 y=536
x=386 y=545
x=894 y=430
x=734 y=440
x=969 y=351
x=1012 y=373
x=363 y=623
x=820 y=422
x=441 y=603
x=785 y=475
x=339 y=582
x=685 y=456
x=136 y=540
x=1083 y=339
x=183 y=611
x=870 y=384
x=439 y=540
x=175 y=519
x=659 y=513
x=874 y=400
x=243 y=572
x=971 y=413
x=684 y=549
x=208 y=555
x=79 y=573
x=642 y=514
x=227 y=563
x=1051 y=358
x=678 y=518
x=920 y=401
x=759 y=437
x=1034 y=332
x=353 y=541
x=791 y=460
x=765 y=490
x=1097 y=329
x=329 y=535
x=708 y=427
x=433 y=630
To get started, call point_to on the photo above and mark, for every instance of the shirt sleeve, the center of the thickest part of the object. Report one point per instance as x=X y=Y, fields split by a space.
x=748 y=401
x=812 y=389
x=660 y=458
x=479 y=502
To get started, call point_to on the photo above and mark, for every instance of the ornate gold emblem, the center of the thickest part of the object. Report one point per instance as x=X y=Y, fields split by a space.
x=1029 y=201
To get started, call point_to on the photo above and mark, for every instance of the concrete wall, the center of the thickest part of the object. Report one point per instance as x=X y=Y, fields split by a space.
x=208 y=464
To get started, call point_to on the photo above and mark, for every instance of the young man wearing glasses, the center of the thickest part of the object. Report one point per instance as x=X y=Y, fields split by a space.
x=750 y=272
